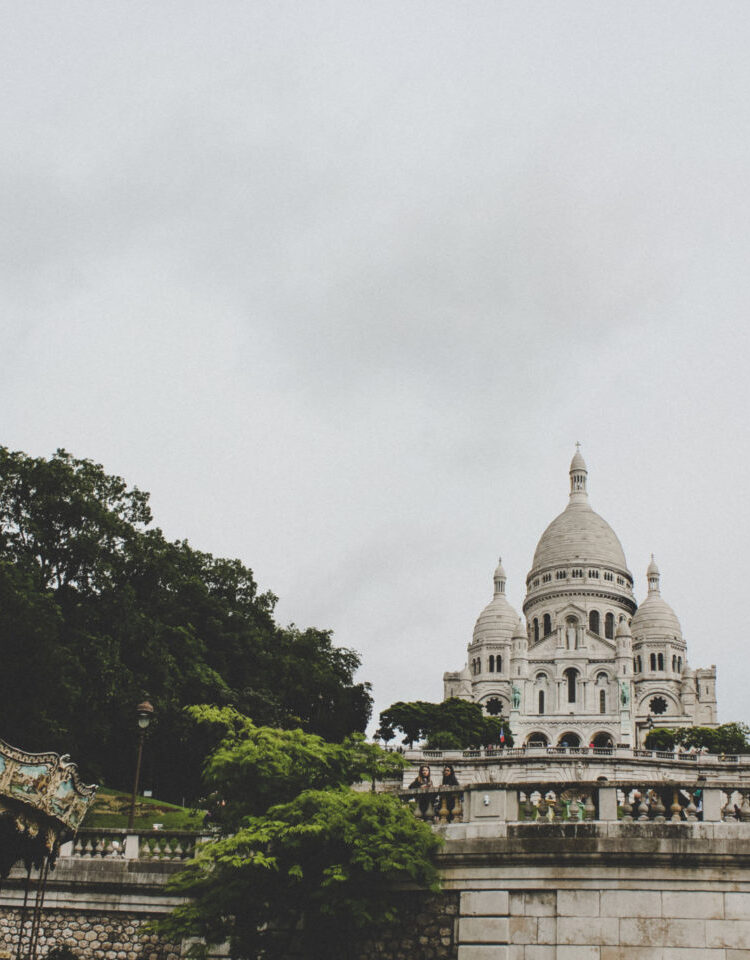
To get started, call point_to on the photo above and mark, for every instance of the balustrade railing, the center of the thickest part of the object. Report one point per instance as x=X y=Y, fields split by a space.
x=94 y=844
x=540 y=802
x=436 y=804
x=536 y=749
x=166 y=846
x=735 y=805
x=99 y=844
x=544 y=803
x=660 y=803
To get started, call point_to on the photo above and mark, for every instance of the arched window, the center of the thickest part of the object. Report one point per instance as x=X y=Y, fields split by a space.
x=594 y=621
x=679 y=664
x=674 y=663
x=547 y=625
x=570 y=676
x=498 y=664
x=609 y=626
x=541 y=701
x=653 y=661
x=536 y=630
x=536 y=740
x=640 y=664
x=635 y=664
x=602 y=701
x=661 y=661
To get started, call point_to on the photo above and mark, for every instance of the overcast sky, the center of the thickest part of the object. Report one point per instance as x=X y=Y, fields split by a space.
x=341 y=284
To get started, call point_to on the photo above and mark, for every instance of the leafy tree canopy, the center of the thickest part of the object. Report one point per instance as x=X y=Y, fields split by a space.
x=451 y=724
x=99 y=610
x=732 y=738
x=306 y=866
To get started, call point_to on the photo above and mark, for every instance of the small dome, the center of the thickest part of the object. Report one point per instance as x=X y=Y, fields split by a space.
x=520 y=632
x=497 y=621
x=623 y=630
x=500 y=570
x=655 y=620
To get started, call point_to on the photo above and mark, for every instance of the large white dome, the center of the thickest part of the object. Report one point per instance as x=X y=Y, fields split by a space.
x=579 y=535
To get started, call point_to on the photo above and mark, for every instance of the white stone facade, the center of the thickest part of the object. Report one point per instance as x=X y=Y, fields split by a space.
x=586 y=664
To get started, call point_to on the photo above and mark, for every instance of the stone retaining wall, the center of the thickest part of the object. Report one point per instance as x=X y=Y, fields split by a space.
x=428 y=933
x=91 y=936
x=594 y=890
x=645 y=892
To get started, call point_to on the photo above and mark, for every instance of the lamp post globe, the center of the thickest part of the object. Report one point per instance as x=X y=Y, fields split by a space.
x=145 y=714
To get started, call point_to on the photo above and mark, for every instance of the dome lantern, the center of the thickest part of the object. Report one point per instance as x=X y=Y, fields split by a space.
x=652 y=575
x=578 y=475
x=500 y=577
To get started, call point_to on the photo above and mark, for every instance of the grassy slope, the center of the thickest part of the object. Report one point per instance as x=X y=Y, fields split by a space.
x=111 y=809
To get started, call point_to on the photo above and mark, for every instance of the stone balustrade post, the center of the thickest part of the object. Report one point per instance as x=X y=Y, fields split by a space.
x=132 y=846
x=607 y=803
x=711 y=803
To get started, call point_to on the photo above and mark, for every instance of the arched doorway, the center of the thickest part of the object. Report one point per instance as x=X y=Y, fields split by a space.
x=603 y=741
x=569 y=739
x=537 y=739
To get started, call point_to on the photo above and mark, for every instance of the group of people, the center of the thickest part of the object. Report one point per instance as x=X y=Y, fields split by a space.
x=424 y=778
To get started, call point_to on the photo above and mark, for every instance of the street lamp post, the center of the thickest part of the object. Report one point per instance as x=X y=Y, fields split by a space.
x=145 y=714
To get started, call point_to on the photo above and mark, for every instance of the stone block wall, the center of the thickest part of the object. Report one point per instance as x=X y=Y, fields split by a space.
x=614 y=924
x=91 y=936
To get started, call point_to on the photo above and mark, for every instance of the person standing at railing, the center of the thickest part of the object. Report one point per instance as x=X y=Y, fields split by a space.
x=449 y=776
x=450 y=780
x=423 y=779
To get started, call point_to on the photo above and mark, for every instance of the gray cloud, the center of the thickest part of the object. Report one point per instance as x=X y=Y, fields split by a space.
x=342 y=283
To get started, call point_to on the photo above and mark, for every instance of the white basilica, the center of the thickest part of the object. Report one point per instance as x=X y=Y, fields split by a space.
x=589 y=664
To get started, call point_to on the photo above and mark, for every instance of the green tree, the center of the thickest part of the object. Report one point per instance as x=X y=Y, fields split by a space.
x=100 y=610
x=451 y=724
x=307 y=866
x=662 y=738
x=731 y=738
